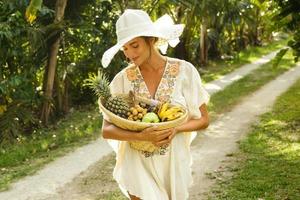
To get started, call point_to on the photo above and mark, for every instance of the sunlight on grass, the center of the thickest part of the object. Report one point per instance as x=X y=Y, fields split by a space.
x=115 y=195
x=274 y=122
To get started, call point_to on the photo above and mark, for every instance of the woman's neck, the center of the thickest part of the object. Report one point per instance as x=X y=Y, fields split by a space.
x=154 y=63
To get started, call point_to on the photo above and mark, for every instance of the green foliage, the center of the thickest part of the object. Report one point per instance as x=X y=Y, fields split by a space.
x=21 y=100
x=32 y=9
x=288 y=19
x=17 y=73
x=231 y=26
x=24 y=51
x=90 y=32
x=279 y=56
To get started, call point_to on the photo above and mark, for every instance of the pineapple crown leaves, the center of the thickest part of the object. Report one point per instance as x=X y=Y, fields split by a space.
x=99 y=84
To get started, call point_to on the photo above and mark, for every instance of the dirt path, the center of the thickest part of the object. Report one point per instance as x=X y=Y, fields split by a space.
x=210 y=148
x=222 y=82
x=91 y=165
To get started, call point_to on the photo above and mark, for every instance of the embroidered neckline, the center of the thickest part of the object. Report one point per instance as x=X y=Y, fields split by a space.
x=160 y=82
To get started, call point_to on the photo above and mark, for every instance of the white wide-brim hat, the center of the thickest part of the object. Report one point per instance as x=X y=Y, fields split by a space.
x=134 y=23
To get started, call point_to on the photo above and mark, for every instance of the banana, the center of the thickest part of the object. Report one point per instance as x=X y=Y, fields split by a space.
x=163 y=109
x=168 y=113
x=174 y=116
x=171 y=113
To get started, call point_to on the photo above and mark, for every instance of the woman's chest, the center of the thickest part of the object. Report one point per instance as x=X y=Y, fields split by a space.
x=152 y=81
x=159 y=86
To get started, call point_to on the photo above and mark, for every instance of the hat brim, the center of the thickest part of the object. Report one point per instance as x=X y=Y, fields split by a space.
x=111 y=52
x=168 y=33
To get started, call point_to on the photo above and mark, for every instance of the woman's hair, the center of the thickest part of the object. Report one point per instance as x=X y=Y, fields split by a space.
x=149 y=38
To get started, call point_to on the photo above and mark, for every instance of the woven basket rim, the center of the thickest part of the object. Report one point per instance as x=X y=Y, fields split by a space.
x=145 y=124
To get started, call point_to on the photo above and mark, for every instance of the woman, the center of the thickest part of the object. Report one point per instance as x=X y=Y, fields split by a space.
x=166 y=173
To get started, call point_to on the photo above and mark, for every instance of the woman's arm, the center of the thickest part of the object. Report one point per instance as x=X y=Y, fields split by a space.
x=151 y=134
x=110 y=131
x=195 y=124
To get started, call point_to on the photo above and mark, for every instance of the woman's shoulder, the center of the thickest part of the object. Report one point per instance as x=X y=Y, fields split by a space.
x=185 y=66
x=127 y=73
x=123 y=71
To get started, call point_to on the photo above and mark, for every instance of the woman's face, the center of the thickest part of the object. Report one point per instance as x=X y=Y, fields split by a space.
x=137 y=50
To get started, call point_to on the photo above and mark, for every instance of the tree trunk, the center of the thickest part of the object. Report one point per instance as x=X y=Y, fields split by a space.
x=257 y=42
x=180 y=50
x=244 y=39
x=52 y=61
x=58 y=94
x=203 y=42
x=66 y=94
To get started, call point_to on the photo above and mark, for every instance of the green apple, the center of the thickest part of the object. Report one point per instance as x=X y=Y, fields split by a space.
x=150 y=117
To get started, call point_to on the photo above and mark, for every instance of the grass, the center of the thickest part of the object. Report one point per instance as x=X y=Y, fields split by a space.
x=29 y=154
x=268 y=165
x=224 y=100
x=114 y=195
x=216 y=69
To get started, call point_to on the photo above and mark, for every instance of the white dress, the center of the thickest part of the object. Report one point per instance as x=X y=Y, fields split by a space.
x=166 y=174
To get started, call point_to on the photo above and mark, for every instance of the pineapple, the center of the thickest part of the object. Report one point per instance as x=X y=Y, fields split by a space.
x=100 y=85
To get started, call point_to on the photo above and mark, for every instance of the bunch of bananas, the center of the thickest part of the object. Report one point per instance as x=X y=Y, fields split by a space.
x=167 y=112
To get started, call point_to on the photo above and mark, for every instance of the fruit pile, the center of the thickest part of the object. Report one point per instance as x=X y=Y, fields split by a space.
x=154 y=114
x=136 y=113
x=132 y=110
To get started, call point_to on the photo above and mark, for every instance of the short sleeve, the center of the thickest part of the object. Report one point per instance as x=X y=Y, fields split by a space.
x=117 y=84
x=194 y=93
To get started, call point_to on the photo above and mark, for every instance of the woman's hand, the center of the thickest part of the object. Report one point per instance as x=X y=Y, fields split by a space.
x=158 y=137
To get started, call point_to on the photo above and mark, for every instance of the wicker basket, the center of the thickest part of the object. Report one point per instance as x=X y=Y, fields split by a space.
x=139 y=126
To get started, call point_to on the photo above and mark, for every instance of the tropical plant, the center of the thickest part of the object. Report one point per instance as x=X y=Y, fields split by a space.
x=287 y=18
